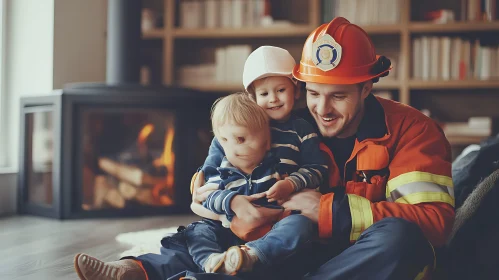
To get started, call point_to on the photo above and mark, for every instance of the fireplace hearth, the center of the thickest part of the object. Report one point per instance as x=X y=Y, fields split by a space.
x=94 y=150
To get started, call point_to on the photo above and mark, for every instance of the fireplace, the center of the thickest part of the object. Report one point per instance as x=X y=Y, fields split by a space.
x=95 y=150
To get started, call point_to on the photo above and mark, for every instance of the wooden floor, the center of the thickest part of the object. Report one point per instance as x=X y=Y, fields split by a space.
x=34 y=248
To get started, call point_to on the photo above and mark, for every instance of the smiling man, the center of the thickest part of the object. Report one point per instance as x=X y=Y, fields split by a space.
x=391 y=199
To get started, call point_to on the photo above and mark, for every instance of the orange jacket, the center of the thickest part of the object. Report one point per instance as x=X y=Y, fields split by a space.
x=406 y=173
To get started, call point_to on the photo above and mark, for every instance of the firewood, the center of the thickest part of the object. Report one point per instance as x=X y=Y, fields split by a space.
x=101 y=187
x=130 y=174
x=114 y=198
x=145 y=196
x=127 y=190
x=166 y=200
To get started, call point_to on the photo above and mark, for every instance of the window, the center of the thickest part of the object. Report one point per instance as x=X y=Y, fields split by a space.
x=3 y=95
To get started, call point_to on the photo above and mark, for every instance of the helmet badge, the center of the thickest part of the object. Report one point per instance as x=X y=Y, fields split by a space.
x=326 y=53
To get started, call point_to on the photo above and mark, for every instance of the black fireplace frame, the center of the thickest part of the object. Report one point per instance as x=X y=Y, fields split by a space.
x=66 y=106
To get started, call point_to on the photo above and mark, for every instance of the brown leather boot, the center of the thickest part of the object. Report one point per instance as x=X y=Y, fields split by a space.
x=89 y=268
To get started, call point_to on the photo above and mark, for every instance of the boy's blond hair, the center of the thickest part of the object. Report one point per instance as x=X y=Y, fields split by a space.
x=238 y=108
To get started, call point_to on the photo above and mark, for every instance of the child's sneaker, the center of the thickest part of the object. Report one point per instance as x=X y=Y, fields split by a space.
x=240 y=259
x=214 y=263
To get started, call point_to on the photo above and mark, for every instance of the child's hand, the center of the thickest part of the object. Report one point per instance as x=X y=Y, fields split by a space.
x=280 y=190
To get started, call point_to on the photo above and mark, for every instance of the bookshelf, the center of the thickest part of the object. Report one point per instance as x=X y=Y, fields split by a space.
x=177 y=42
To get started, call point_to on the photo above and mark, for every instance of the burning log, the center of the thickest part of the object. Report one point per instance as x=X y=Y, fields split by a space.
x=130 y=174
x=101 y=188
x=114 y=198
x=106 y=192
x=145 y=196
x=127 y=190
x=138 y=174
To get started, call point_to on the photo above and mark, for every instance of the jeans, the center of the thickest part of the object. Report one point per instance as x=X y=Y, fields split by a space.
x=288 y=235
x=208 y=237
x=392 y=248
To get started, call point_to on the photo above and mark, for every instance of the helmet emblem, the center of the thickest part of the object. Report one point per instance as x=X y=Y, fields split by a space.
x=326 y=53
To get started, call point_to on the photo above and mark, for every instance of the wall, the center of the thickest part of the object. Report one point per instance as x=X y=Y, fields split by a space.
x=49 y=43
x=79 y=41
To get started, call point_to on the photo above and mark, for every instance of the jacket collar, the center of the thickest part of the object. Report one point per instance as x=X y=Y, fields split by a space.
x=373 y=124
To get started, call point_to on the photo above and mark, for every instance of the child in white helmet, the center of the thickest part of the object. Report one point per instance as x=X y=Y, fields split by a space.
x=294 y=143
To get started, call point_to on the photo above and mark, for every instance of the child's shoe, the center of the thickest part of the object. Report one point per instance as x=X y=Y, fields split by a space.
x=214 y=263
x=237 y=259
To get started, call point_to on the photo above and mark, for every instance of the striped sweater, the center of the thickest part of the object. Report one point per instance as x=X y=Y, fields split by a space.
x=233 y=182
x=295 y=143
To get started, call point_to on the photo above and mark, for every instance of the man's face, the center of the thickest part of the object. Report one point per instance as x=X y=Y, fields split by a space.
x=337 y=109
x=243 y=147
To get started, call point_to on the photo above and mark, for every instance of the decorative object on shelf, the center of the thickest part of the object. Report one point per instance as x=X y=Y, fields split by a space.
x=148 y=20
x=440 y=16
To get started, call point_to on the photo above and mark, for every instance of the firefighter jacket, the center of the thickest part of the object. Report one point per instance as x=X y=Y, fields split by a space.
x=400 y=166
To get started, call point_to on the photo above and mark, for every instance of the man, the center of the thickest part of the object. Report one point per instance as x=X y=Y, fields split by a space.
x=390 y=198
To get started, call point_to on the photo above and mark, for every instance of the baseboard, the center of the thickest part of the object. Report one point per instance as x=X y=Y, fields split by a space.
x=8 y=194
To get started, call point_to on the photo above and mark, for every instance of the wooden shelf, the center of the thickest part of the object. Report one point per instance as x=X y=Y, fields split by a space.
x=457 y=27
x=387 y=84
x=153 y=34
x=214 y=87
x=383 y=29
x=250 y=32
x=233 y=87
x=464 y=140
x=461 y=84
x=304 y=30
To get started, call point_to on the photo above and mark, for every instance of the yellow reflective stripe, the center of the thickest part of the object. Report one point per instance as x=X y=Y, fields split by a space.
x=422 y=274
x=362 y=215
x=418 y=176
x=421 y=197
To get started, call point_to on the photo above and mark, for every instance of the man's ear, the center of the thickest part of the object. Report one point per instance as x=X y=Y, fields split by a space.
x=366 y=89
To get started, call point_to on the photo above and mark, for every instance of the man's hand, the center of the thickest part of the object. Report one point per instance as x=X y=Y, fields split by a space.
x=252 y=215
x=281 y=190
x=307 y=201
x=199 y=191
x=199 y=194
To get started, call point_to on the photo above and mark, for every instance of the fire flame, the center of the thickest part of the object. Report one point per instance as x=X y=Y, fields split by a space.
x=144 y=133
x=166 y=159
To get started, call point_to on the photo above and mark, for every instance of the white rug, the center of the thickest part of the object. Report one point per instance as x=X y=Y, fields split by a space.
x=143 y=242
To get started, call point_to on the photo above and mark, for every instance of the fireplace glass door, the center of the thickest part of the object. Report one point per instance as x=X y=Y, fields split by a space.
x=128 y=158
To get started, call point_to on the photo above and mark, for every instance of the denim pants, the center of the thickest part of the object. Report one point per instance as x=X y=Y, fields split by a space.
x=392 y=248
x=288 y=235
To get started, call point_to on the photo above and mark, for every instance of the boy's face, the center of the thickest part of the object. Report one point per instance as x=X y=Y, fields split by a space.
x=243 y=147
x=276 y=95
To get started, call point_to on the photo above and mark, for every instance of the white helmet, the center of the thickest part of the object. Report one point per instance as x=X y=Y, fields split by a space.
x=267 y=61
